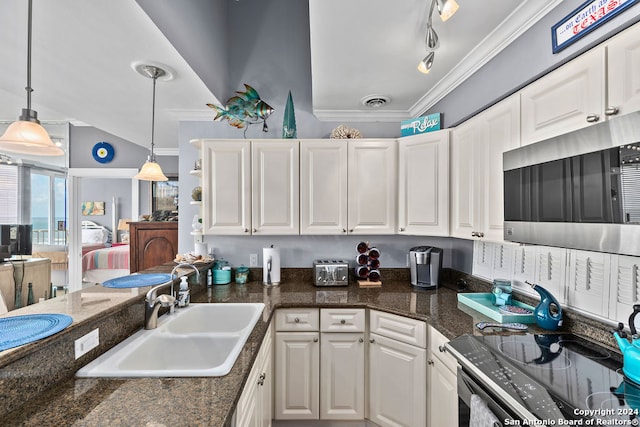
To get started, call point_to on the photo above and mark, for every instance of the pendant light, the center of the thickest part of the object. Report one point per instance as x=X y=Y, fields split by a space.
x=26 y=135
x=151 y=170
x=447 y=8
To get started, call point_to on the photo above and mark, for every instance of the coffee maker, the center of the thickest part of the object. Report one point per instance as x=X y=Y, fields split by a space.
x=426 y=266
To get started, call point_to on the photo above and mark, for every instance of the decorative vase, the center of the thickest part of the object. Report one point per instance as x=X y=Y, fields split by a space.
x=289 y=130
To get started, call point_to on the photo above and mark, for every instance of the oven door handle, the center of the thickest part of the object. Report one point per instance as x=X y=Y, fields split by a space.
x=467 y=386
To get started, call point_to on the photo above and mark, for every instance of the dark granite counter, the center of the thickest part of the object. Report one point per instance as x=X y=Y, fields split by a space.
x=211 y=401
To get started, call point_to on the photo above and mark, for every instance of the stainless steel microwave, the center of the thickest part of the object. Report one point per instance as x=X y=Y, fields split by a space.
x=578 y=190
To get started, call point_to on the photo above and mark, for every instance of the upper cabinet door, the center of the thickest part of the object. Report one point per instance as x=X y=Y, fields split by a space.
x=372 y=186
x=226 y=187
x=275 y=186
x=423 y=187
x=623 y=52
x=323 y=186
x=569 y=98
x=502 y=133
x=467 y=158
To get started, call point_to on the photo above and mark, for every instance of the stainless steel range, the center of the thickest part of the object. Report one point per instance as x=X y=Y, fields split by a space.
x=550 y=378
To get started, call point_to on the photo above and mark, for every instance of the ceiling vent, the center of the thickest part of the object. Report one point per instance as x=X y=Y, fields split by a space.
x=375 y=101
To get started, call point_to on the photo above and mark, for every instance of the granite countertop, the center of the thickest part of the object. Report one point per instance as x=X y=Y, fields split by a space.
x=211 y=401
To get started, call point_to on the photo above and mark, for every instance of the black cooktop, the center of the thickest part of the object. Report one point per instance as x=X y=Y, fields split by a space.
x=552 y=376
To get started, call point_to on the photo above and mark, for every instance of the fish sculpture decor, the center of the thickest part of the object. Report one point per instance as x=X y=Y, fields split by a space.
x=244 y=109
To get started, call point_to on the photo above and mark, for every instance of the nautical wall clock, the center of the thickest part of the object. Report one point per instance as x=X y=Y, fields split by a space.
x=103 y=152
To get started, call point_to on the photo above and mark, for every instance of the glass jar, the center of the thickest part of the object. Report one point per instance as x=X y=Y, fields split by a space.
x=242 y=275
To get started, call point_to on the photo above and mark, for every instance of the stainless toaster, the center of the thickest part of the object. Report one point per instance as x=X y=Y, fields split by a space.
x=331 y=272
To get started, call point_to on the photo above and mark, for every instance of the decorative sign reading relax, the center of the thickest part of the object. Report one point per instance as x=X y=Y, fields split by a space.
x=420 y=125
x=584 y=19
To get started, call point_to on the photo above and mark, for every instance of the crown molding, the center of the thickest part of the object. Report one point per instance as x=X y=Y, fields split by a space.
x=166 y=151
x=361 y=115
x=199 y=115
x=518 y=22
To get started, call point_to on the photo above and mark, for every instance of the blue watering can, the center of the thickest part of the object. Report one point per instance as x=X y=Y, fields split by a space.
x=545 y=318
x=630 y=350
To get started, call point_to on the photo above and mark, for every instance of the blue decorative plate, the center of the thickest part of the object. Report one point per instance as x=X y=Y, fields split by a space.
x=19 y=330
x=137 y=280
x=103 y=152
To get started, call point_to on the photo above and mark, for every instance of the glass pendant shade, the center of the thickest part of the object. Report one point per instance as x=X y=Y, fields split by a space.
x=425 y=65
x=151 y=171
x=27 y=137
x=447 y=8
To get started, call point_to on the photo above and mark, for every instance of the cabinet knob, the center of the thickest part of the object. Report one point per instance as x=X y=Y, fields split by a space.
x=246 y=230
x=441 y=348
x=480 y=234
x=360 y=339
x=371 y=340
x=401 y=229
x=263 y=376
x=315 y=339
x=611 y=111
x=297 y=320
x=429 y=362
x=351 y=230
x=474 y=234
x=342 y=322
x=344 y=230
x=592 y=118
x=255 y=231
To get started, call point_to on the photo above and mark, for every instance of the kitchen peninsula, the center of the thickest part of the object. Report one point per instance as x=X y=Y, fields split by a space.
x=201 y=401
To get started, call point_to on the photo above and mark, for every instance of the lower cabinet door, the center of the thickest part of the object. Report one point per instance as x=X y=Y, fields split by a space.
x=443 y=394
x=297 y=370
x=342 y=379
x=397 y=383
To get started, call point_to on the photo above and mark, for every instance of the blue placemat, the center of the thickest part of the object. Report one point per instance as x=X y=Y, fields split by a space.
x=19 y=330
x=137 y=280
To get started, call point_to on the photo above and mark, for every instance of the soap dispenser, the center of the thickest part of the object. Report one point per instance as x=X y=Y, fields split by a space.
x=183 y=294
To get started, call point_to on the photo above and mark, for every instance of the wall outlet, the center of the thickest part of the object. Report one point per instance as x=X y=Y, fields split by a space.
x=253 y=260
x=87 y=342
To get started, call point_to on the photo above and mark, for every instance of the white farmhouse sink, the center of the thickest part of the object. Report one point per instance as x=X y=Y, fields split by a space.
x=202 y=340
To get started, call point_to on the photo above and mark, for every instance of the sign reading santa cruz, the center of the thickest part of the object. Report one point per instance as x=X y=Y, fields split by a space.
x=584 y=19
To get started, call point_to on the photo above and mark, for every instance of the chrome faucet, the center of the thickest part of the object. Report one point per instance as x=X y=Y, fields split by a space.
x=153 y=302
x=164 y=300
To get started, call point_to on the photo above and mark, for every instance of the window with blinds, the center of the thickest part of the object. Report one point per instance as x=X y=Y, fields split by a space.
x=8 y=194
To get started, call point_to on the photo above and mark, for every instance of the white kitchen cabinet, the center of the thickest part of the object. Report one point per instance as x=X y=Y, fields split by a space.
x=397 y=383
x=342 y=363
x=397 y=370
x=226 y=187
x=477 y=205
x=342 y=380
x=589 y=274
x=623 y=69
x=297 y=364
x=323 y=186
x=442 y=390
x=559 y=103
x=423 y=186
x=275 y=187
x=372 y=176
x=302 y=353
x=255 y=403
x=624 y=287
x=297 y=370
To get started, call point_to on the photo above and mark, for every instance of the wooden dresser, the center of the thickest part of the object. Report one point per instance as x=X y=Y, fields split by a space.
x=152 y=243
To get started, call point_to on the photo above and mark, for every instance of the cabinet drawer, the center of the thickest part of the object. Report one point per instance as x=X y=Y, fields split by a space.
x=436 y=346
x=399 y=328
x=297 y=319
x=342 y=320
